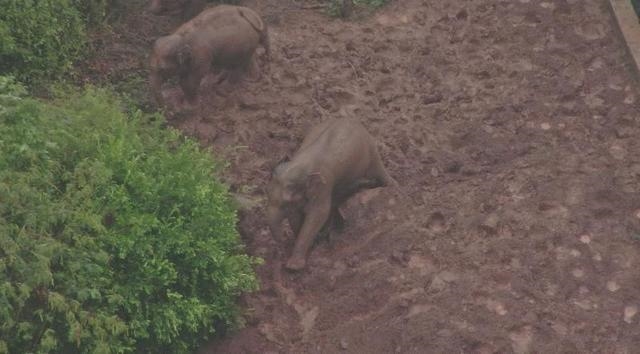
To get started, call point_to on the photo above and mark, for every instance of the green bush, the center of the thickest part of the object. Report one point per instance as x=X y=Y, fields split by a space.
x=39 y=39
x=115 y=236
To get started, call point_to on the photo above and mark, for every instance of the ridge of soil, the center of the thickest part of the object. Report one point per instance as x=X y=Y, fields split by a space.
x=512 y=129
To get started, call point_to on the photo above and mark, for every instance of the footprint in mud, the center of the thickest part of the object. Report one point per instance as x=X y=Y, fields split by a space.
x=590 y=31
x=286 y=79
x=307 y=313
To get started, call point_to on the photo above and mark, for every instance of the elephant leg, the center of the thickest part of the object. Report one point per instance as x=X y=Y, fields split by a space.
x=316 y=216
x=296 y=218
x=337 y=219
x=379 y=173
x=335 y=222
x=190 y=84
x=254 y=69
x=239 y=69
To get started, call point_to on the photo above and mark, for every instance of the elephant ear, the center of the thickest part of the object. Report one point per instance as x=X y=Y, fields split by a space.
x=315 y=184
x=183 y=56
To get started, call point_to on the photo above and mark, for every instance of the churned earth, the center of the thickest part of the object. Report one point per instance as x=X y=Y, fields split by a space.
x=512 y=128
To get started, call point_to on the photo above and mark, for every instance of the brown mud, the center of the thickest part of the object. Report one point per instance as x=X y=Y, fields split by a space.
x=512 y=129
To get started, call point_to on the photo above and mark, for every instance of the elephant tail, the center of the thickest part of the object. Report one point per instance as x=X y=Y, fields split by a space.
x=260 y=27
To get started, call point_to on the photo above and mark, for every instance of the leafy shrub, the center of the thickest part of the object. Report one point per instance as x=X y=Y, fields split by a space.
x=39 y=39
x=114 y=235
x=94 y=12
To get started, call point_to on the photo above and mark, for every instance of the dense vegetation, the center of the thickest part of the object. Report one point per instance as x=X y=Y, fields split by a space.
x=115 y=235
x=39 y=39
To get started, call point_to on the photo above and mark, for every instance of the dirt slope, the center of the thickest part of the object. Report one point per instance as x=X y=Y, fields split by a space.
x=512 y=127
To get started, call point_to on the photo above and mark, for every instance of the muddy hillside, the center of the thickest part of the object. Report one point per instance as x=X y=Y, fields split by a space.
x=512 y=129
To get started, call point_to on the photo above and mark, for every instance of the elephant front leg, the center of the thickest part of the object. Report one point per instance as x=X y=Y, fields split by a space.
x=316 y=216
x=296 y=219
x=190 y=85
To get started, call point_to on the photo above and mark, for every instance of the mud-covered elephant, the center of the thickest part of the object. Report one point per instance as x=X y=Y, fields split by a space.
x=186 y=9
x=223 y=37
x=336 y=159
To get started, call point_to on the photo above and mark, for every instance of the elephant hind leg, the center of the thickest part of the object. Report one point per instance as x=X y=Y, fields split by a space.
x=379 y=173
x=334 y=223
x=265 y=42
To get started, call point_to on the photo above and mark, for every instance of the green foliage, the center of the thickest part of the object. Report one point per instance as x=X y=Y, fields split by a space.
x=371 y=3
x=39 y=39
x=94 y=12
x=114 y=235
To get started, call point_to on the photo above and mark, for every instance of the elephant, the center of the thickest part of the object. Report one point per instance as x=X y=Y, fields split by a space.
x=223 y=37
x=186 y=9
x=336 y=159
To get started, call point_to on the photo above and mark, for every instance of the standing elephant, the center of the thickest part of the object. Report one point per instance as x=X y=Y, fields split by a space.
x=186 y=9
x=337 y=159
x=223 y=37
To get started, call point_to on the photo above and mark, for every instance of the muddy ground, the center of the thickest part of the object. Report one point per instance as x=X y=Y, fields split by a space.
x=512 y=127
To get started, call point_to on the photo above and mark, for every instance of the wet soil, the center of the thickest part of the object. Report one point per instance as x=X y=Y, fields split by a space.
x=512 y=128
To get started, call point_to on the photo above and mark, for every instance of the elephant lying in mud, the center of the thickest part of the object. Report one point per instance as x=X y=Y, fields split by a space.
x=223 y=37
x=336 y=160
x=186 y=9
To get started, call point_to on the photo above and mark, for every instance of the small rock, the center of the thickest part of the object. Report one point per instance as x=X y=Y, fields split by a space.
x=612 y=286
x=545 y=126
x=437 y=284
x=448 y=276
x=586 y=239
x=578 y=273
x=496 y=307
x=560 y=329
x=344 y=345
x=630 y=312
x=490 y=224
x=618 y=152
x=583 y=304
x=629 y=99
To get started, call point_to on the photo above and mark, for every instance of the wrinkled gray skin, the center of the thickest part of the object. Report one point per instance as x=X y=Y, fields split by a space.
x=336 y=160
x=223 y=37
x=185 y=9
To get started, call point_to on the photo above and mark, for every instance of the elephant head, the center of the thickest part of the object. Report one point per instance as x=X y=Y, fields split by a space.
x=171 y=55
x=289 y=191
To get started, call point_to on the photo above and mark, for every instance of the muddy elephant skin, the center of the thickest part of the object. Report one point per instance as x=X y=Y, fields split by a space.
x=185 y=9
x=337 y=159
x=223 y=37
